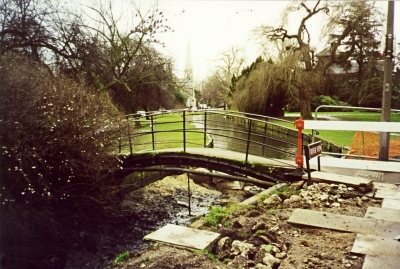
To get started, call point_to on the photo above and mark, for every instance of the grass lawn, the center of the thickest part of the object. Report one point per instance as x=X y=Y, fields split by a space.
x=169 y=133
x=342 y=138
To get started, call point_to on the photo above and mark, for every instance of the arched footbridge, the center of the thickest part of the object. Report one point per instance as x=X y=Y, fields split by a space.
x=240 y=146
x=245 y=147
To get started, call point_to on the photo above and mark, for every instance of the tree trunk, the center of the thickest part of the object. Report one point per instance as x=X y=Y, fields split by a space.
x=305 y=107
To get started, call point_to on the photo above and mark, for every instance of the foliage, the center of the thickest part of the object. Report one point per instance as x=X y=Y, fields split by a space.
x=245 y=73
x=214 y=92
x=180 y=97
x=364 y=39
x=124 y=256
x=370 y=93
x=319 y=100
x=220 y=215
x=258 y=232
x=267 y=248
x=57 y=144
x=263 y=89
x=93 y=47
x=209 y=254
x=344 y=24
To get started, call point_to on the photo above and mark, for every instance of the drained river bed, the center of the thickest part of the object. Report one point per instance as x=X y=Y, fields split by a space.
x=149 y=208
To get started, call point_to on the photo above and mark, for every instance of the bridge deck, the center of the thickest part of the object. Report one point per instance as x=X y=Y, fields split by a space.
x=389 y=171
x=233 y=155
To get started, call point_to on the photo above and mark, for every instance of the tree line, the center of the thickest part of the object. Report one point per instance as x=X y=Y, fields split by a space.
x=67 y=78
x=293 y=76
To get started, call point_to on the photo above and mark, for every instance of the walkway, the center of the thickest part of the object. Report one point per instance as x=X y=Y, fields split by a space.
x=233 y=155
x=378 y=232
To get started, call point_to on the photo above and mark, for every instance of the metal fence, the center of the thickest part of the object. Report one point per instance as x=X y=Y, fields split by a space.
x=364 y=144
x=246 y=133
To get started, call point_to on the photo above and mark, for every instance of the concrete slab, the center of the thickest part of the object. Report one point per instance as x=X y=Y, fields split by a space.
x=383 y=190
x=391 y=203
x=383 y=213
x=387 y=228
x=376 y=246
x=386 y=186
x=381 y=262
x=393 y=167
x=318 y=176
x=386 y=193
x=333 y=221
x=184 y=237
x=372 y=226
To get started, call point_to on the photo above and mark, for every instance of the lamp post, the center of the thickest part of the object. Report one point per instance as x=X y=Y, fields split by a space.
x=387 y=84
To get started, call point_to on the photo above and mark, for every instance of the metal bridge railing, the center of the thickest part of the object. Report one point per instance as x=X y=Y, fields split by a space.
x=243 y=132
x=367 y=140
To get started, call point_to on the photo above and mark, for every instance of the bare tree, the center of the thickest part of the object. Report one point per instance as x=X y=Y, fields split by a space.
x=301 y=45
x=227 y=65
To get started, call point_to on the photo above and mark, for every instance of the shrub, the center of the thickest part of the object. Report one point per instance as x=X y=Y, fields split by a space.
x=370 y=93
x=57 y=144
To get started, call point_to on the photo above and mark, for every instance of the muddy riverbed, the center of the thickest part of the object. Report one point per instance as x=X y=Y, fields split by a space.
x=149 y=208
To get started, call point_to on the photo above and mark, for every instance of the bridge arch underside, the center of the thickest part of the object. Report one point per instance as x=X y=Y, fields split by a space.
x=148 y=161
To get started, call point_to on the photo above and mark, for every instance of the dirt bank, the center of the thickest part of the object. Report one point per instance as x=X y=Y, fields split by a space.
x=260 y=236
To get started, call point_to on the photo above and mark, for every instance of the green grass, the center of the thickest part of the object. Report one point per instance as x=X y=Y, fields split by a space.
x=221 y=215
x=209 y=254
x=169 y=133
x=121 y=257
x=341 y=138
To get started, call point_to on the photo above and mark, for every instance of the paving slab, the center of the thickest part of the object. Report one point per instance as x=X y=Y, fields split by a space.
x=184 y=237
x=386 y=186
x=383 y=213
x=376 y=246
x=333 y=221
x=328 y=162
x=391 y=203
x=372 y=226
x=386 y=193
x=381 y=262
x=387 y=228
x=384 y=190
x=325 y=177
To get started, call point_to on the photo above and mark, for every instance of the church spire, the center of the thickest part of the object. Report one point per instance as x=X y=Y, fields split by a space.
x=188 y=72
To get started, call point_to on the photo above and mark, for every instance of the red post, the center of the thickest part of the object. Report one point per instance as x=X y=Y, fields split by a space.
x=299 y=123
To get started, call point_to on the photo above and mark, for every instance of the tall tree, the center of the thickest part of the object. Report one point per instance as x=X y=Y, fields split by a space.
x=302 y=40
x=117 y=51
x=364 y=38
x=214 y=91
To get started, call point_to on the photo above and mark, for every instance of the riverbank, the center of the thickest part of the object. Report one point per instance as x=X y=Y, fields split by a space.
x=260 y=236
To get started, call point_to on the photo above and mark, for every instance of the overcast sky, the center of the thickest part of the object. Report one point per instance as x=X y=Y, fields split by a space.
x=213 y=26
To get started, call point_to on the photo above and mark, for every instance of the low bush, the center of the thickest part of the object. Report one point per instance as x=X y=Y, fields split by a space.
x=57 y=143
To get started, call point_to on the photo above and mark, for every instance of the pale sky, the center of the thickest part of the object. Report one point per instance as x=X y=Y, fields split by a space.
x=213 y=26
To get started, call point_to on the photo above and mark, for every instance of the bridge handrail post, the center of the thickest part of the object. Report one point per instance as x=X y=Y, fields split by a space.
x=184 y=131
x=299 y=123
x=152 y=132
x=129 y=135
x=265 y=134
x=205 y=128
x=248 y=139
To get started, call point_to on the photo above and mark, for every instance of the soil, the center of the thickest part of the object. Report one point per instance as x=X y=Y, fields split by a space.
x=296 y=246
